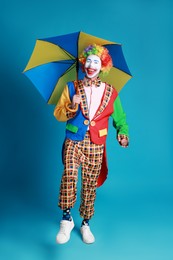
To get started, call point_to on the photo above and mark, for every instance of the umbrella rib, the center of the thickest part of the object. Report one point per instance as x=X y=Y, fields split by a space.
x=68 y=70
x=67 y=53
x=65 y=61
x=77 y=60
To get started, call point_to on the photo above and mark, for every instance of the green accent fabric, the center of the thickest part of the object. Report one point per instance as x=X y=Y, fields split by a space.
x=72 y=128
x=119 y=118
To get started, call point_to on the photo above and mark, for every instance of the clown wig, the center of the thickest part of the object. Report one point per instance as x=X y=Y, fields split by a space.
x=101 y=52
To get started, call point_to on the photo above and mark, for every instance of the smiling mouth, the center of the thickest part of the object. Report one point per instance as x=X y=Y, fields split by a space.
x=91 y=71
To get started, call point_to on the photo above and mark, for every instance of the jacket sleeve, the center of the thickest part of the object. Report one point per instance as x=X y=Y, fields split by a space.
x=63 y=110
x=119 y=118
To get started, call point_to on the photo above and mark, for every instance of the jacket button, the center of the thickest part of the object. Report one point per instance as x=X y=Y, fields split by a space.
x=93 y=123
x=86 y=122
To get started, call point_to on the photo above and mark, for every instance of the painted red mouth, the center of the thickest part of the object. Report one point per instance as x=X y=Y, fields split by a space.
x=91 y=71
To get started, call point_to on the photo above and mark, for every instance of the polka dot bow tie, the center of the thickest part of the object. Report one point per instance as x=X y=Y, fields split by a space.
x=90 y=82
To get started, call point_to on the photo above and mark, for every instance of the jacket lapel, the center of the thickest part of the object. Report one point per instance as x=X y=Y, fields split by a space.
x=105 y=100
x=83 y=104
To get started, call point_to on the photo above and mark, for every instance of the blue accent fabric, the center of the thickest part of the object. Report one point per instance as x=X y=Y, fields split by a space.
x=77 y=120
x=68 y=42
x=118 y=59
x=45 y=76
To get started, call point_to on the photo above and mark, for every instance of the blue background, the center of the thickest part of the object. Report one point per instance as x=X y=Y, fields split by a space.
x=134 y=213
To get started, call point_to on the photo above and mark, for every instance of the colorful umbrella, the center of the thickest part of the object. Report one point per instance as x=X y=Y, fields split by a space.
x=54 y=62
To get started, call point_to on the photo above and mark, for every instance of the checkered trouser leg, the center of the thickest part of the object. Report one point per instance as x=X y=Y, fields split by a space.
x=89 y=155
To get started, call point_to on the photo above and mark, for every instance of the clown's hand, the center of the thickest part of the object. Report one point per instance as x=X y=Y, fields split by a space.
x=76 y=100
x=123 y=140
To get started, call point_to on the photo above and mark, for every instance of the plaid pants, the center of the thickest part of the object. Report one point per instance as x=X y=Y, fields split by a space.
x=89 y=156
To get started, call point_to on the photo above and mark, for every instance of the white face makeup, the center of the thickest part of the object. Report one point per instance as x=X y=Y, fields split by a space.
x=92 y=66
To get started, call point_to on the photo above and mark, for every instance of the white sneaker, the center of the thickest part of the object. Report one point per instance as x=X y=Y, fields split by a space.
x=63 y=235
x=87 y=235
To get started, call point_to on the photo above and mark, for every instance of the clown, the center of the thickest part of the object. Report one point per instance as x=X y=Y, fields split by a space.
x=86 y=106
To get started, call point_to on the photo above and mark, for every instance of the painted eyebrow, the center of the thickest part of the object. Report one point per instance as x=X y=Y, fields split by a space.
x=88 y=59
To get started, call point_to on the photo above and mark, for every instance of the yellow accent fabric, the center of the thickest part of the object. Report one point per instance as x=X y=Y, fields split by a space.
x=45 y=52
x=103 y=132
x=68 y=107
x=60 y=110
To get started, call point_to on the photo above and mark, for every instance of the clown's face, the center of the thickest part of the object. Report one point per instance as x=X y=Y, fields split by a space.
x=92 y=66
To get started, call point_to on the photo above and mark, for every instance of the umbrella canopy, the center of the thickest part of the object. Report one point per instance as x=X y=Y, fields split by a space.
x=55 y=61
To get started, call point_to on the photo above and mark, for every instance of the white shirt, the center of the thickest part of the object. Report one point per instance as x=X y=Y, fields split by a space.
x=94 y=97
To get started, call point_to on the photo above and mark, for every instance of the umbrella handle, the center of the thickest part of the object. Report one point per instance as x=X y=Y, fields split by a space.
x=77 y=93
x=76 y=106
